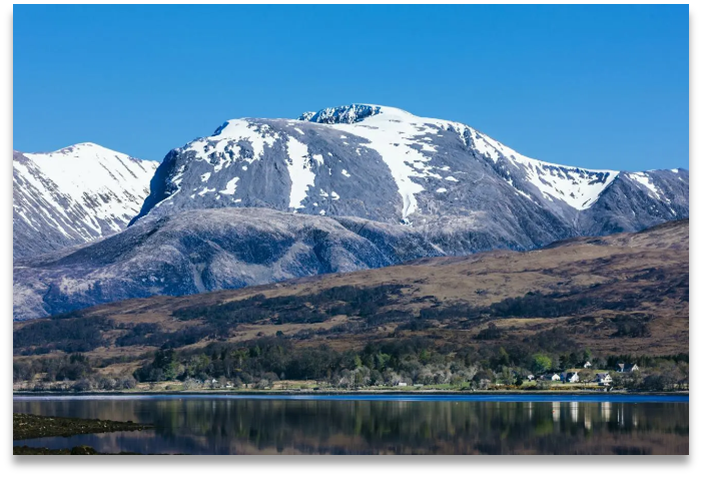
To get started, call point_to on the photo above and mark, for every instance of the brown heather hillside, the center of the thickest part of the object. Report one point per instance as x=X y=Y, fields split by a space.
x=621 y=294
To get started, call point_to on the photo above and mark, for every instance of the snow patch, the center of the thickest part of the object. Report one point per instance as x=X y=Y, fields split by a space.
x=230 y=188
x=206 y=190
x=223 y=146
x=301 y=175
x=645 y=181
x=391 y=132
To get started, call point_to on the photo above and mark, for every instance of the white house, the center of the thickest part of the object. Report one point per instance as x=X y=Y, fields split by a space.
x=570 y=377
x=603 y=379
x=627 y=368
x=555 y=377
x=402 y=384
x=587 y=365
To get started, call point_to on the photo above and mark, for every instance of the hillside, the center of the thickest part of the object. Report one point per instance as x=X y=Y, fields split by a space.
x=203 y=250
x=625 y=294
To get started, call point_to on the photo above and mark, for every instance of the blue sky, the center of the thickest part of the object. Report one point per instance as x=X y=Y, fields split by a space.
x=594 y=86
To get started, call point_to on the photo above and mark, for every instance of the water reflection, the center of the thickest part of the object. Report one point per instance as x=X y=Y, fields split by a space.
x=272 y=426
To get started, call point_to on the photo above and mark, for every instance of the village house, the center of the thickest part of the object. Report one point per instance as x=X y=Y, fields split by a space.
x=587 y=365
x=555 y=377
x=530 y=377
x=570 y=377
x=627 y=368
x=603 y=379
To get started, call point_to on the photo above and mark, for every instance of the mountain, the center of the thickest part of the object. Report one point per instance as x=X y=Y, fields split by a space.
x=202 y=250
x=387 y=165
x=621 y=294
x=343 y=189
x=74 y=195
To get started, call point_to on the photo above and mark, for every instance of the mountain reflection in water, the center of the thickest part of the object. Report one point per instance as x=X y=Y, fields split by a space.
x=290 y=426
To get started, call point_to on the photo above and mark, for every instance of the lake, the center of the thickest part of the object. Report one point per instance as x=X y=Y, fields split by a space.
x=373 y=424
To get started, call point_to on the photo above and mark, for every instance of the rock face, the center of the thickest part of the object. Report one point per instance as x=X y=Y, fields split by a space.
x=387 y=165
x=203 y=250
x=74 y=195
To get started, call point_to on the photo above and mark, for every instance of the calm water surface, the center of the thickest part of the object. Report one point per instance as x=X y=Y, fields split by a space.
x=536 y=424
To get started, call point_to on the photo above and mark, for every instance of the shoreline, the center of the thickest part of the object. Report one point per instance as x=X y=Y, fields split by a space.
x=355 y=393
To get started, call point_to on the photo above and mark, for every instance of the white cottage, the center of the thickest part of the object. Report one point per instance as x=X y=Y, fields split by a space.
x=570 y=377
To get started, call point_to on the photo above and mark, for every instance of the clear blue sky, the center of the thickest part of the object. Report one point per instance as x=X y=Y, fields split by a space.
x=594 y=86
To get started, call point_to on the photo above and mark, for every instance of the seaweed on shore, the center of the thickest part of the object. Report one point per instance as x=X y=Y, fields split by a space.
x=30 y=426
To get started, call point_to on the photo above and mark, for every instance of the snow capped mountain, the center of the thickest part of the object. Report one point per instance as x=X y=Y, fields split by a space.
x=74 y=195
x=394 y=187
x=385 y=164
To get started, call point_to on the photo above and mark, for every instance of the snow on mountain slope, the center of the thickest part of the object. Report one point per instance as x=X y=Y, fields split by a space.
x=579 y=188
x=74 y=195
x=387 y=128
x=385 y=164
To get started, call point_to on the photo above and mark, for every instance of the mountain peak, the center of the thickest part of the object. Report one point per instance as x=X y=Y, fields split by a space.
x=90 y=148
x=351 y=113
x=418 y=168
x=74 y=195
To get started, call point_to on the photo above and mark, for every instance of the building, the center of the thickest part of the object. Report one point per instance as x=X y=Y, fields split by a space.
x=570 y=377
x=626 y=368
x=587 y=365
x=554 y=377
x=603 y=379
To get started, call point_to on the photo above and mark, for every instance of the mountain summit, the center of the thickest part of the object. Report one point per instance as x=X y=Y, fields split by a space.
x=74 y=195
x=385 y=164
